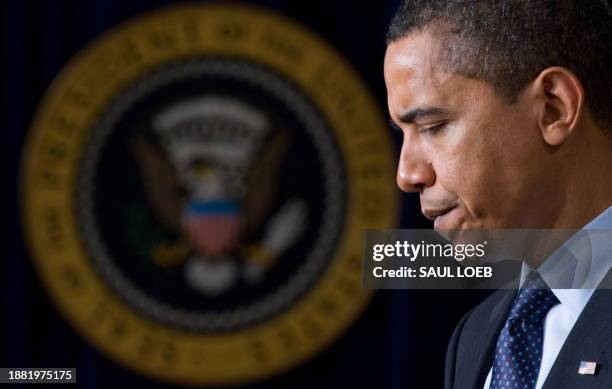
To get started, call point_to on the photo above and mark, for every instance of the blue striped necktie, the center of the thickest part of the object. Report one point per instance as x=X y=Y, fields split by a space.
x=518 y=352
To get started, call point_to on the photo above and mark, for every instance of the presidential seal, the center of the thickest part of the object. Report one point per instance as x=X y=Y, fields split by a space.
x=195 y=186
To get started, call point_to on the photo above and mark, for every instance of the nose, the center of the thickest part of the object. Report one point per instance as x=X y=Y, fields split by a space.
x=414 y=173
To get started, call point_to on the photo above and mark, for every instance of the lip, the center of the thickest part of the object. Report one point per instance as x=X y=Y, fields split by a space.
x=433 y=213
x=437 y=215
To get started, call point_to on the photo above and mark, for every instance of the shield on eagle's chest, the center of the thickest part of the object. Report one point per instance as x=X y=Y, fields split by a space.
x=213 y=227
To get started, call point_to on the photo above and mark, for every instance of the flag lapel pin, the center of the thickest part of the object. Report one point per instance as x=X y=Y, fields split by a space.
x=588 y=368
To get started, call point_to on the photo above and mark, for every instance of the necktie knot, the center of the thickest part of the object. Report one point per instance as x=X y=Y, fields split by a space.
x=533 y=300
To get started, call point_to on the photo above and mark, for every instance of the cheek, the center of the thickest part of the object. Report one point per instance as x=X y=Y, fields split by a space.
x=460 y=159
x=470 y=166
x=470 y=175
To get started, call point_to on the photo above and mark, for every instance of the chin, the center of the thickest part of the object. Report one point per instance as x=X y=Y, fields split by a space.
x=467 y=225
x=451 y=221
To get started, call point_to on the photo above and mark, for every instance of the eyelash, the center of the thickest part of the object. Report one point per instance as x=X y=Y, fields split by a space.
x=432 y=129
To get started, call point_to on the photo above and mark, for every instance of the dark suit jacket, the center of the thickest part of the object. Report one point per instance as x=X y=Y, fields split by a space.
x=472 y=346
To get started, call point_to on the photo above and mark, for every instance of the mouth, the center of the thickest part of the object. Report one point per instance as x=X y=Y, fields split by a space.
x=437 y=215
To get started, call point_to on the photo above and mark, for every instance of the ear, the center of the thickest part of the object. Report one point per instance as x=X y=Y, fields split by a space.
x=563 y=97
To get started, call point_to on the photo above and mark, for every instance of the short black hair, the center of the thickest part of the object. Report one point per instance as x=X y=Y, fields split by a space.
x=509 y=42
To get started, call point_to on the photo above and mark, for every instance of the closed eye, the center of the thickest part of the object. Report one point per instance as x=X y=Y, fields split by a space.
x=432 y=129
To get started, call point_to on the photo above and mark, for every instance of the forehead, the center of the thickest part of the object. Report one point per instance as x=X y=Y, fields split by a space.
x=418 y=51
x=414 y=74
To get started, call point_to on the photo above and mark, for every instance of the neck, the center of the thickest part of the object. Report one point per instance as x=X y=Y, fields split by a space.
x=586 y=185
x=584 y=188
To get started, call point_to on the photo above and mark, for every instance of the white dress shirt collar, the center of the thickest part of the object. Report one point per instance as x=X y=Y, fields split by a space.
x=578 y=279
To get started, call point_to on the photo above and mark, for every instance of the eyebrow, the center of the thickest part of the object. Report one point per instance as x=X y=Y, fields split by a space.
x=421 y=113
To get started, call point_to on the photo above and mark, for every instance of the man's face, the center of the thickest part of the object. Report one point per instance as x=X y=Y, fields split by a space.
x=476 y=160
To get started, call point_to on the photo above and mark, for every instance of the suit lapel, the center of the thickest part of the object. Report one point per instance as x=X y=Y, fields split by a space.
x=482 y=351
x=590 y=340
